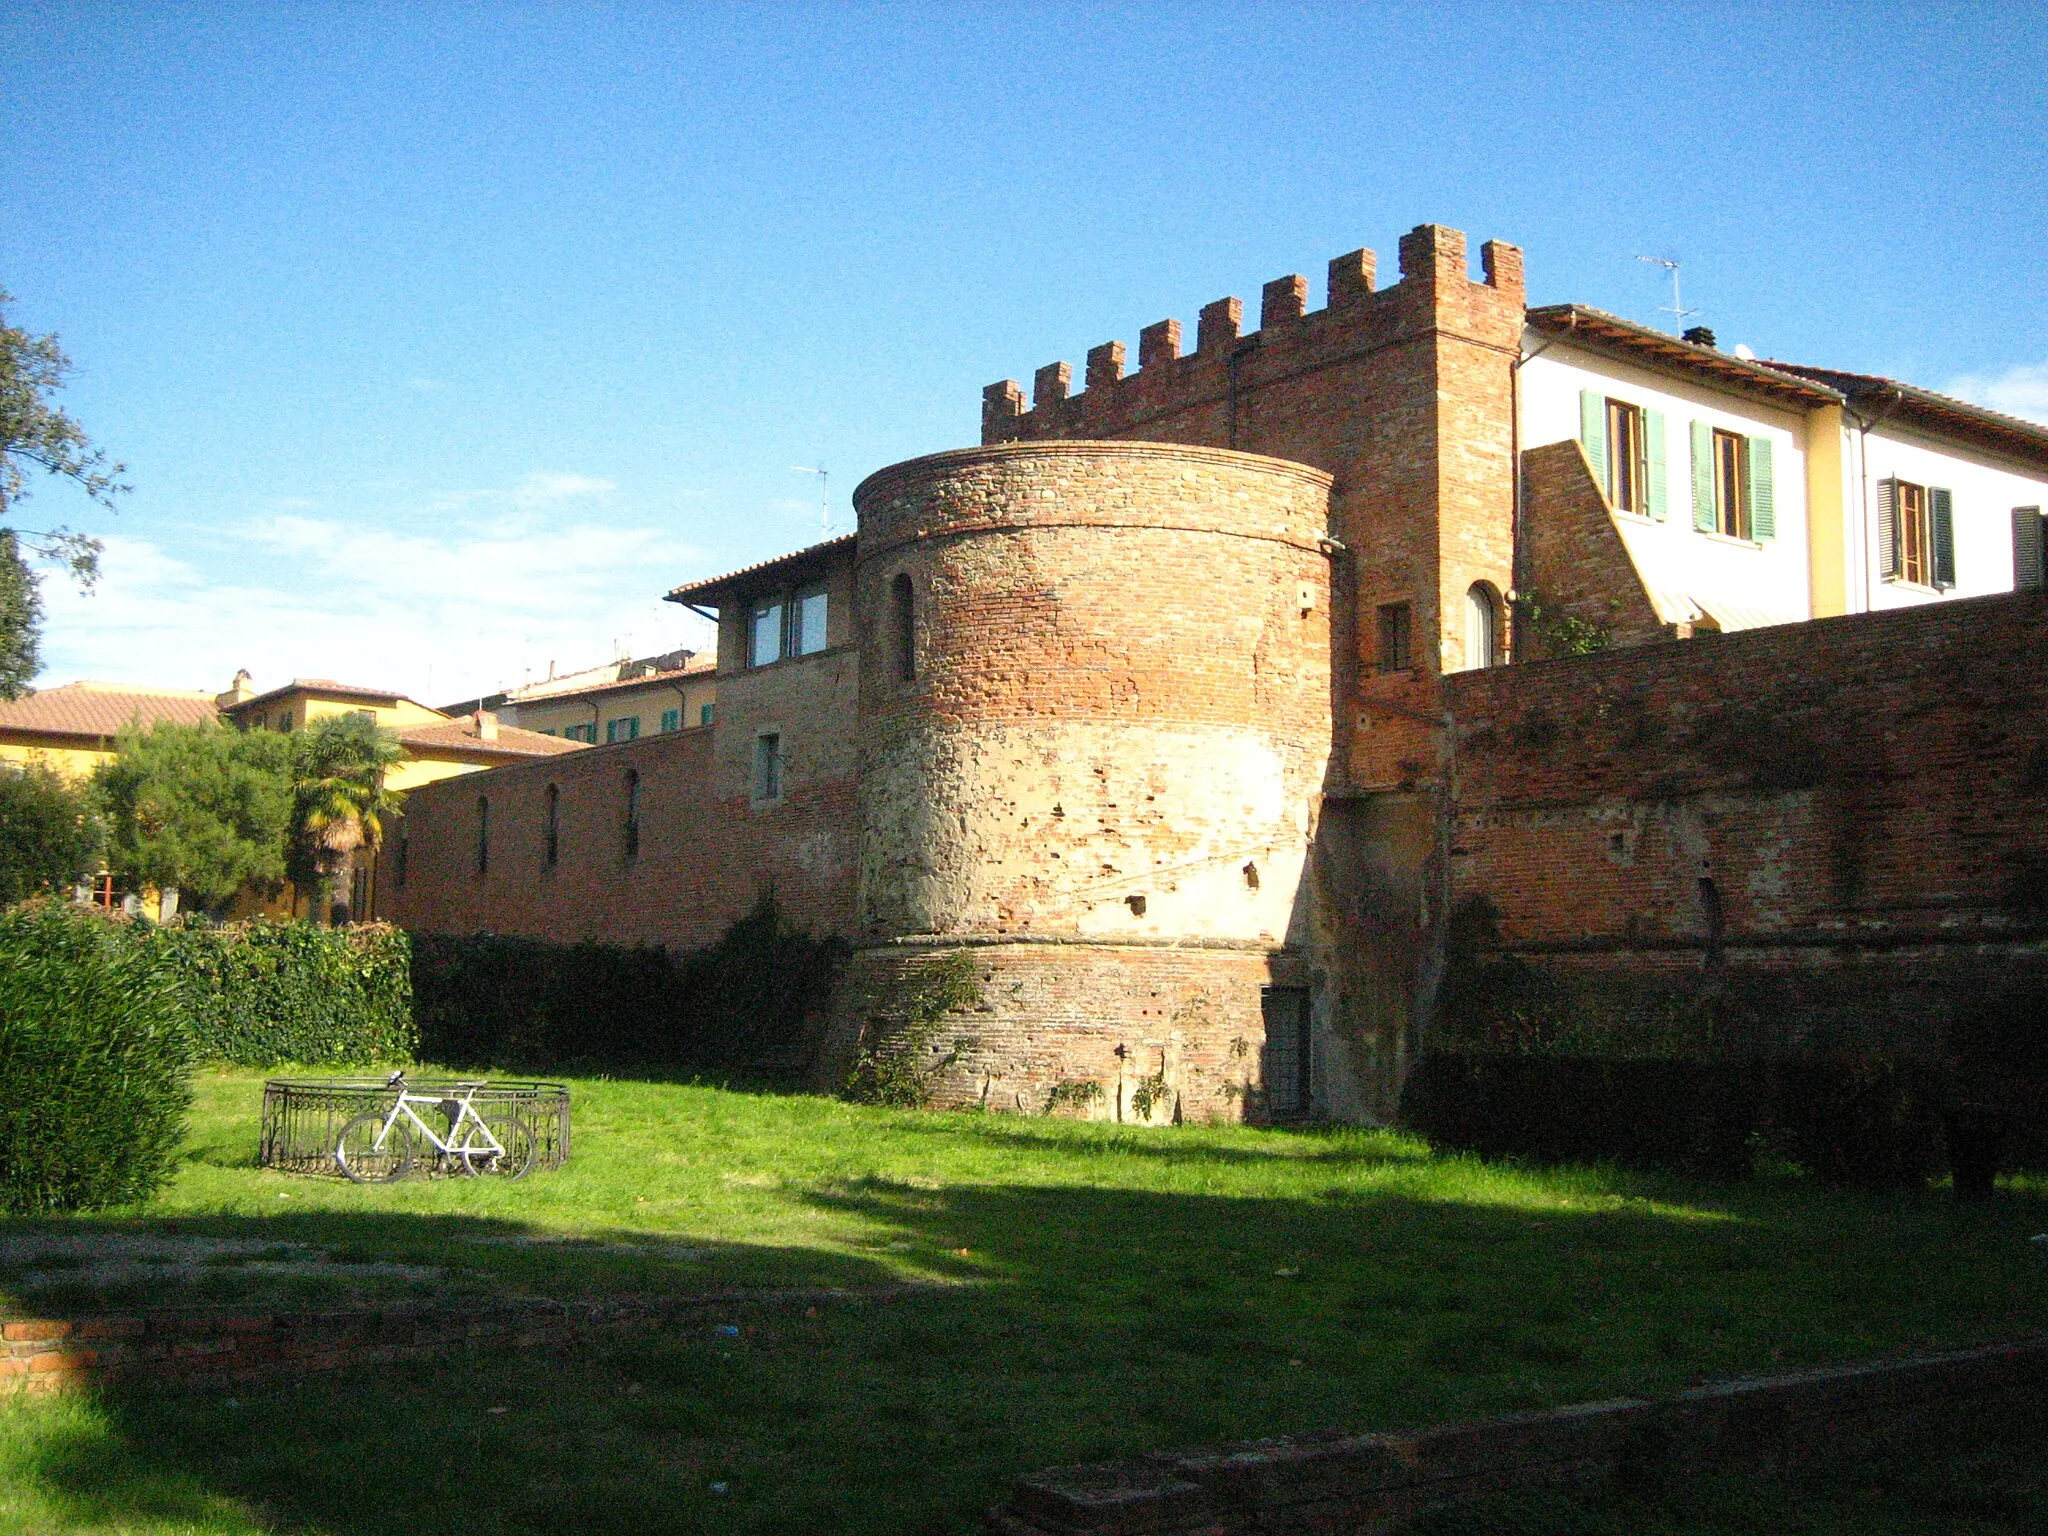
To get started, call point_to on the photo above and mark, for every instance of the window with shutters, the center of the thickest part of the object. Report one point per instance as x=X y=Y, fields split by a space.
x=1396 y=637
x=625 y=728
x=1916 y=542
x=671 y=720
x=1731 y=484
x=703 y=714
x=2029 y=550
x=1625 y=448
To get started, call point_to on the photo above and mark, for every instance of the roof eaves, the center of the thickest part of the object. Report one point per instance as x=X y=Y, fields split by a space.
x=1925 y=404
x=1597 y=328
x=691 y=591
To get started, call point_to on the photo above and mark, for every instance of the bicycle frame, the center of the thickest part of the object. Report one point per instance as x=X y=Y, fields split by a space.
x=469 y=1148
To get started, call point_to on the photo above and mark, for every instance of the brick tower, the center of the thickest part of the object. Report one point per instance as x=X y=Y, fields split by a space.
x=1094 y=731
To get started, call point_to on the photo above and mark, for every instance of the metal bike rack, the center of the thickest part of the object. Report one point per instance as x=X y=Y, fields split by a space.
x=302 y=1116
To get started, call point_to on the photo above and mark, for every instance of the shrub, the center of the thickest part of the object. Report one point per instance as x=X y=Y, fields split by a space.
x=750 y=1004
x=261 y=994
x=50 y=833
x=1863 y=1119
x=94 y=1064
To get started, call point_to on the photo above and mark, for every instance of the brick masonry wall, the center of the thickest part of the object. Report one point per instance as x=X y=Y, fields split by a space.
x=1376 y=1483
x=1402 y=394
x=1577 y=565
x=706 y=849
x=1110 y=1015
x=1854 y=805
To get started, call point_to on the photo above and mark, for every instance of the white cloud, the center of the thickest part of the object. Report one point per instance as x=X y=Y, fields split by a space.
x=2021 y=390
x=440 y=608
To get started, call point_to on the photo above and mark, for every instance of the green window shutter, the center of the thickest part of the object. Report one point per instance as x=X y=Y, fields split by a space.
x=2029 y=567
x=1888 y=527
x=1593 y=434
x=1763 y=494
x=1941 y=515
x=1703 y=515
x=1653 y=432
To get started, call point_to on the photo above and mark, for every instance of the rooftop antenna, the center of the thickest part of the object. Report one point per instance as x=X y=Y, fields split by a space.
x=1675 y=309
x=824 y=494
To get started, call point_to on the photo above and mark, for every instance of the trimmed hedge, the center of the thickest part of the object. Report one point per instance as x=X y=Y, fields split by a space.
x=95 y=1063
x=261 y=994
x=1864 y=1119
x=750 y=1005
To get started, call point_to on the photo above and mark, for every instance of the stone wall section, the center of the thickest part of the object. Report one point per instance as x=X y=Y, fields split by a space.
x=1857 y=802
x=1577 y=565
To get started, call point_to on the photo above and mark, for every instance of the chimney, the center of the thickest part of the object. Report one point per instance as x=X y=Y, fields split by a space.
x=238 y=692
x=486 y=725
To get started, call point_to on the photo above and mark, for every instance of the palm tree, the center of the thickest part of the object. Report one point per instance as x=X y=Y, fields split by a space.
x=339 y=802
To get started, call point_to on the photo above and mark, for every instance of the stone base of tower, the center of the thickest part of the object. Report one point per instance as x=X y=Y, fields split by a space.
x=1096 y=1030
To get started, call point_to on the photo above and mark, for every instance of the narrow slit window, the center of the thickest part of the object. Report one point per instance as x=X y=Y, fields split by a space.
x=768 y=766
x=1482 y=627
x=903 y=624
x=551 y=839
x=483 y=835
x=1396 y=637
x=632 y=827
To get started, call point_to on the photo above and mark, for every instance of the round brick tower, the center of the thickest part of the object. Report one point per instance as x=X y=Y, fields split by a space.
x=1094 y=723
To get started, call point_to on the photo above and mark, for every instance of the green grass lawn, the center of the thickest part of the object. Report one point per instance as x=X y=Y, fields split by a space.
x=1094 y=1292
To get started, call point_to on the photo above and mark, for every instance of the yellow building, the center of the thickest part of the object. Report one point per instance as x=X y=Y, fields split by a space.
x=72 y=729
x=437 y=746
x=652 y=700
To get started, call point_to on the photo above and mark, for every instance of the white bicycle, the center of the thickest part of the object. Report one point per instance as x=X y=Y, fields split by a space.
x=380 y=1147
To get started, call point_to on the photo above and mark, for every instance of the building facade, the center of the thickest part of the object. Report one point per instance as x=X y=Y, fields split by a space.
x=1149 y=704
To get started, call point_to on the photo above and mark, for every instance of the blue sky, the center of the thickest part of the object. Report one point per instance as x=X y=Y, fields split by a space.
x=441 y=339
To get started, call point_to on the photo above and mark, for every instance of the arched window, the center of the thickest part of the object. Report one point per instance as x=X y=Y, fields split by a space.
x=551 y=839
x=1482 y=627
x=483 y=835
x=903 y=619
x=632 y=838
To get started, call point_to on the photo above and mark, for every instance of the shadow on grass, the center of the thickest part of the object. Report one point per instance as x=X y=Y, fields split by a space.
x=1104 y=1323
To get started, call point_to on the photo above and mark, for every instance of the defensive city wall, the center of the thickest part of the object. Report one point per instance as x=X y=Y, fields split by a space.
x=1106 y=706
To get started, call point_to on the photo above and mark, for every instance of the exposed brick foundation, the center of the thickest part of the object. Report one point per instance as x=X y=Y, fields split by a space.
x=1367 y=1484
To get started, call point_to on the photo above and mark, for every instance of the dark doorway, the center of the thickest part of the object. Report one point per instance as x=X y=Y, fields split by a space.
x=1287 y=1055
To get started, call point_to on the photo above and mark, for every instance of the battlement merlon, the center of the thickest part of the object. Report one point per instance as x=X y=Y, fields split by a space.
x=1435 y=280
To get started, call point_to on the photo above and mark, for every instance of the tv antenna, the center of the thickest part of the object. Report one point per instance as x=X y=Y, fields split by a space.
x=824 y=493
x=1675 y=309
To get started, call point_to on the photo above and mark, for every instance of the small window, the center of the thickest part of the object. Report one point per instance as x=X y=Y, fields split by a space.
x=671 y=720
x=483 y=835
x=581 y=732
x=703 y=714
x=1396 y=637
x=1916 y=538
x=764 y=642
x=1628 y=459
x=632 y=827
x=903 y=626
x=625 y=728
x=768 y=766
x=550 y=845
x=807 y=623
x=2029 y=550
x=1731 y=484
x=1482 y=627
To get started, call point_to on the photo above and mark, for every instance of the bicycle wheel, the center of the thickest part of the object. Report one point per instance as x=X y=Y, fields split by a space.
x=520 y=1144
x=357 y=1154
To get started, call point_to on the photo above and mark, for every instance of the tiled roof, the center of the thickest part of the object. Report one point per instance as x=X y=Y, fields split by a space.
x=694 y=590
x=100 y=710
x=1604 y=332
x=700 y=666
x=1884 y=398
x=322 y=685
x=461 y=736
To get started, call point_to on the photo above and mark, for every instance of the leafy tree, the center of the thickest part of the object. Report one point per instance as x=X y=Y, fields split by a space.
x=36 y=435
x=339 y=800
x=50 y=833
x=201 y=808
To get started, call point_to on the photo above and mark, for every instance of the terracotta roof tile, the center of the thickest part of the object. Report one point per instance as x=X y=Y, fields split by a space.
x=99 y=710
x=690 y=591
x=461 y=736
